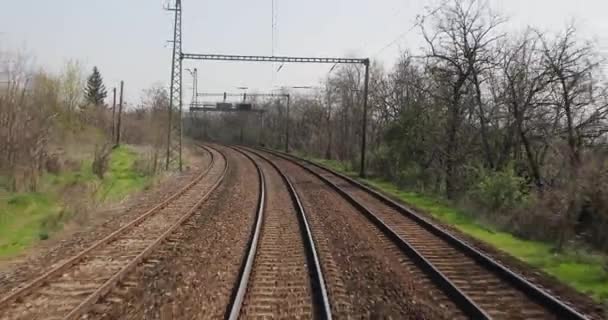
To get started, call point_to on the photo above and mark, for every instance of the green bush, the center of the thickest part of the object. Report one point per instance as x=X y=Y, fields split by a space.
x=101 y=160
x=498 y=190
x=4 y=183
x=408 y=177
x=43 y=235
x=382 y=162
x=398 y=169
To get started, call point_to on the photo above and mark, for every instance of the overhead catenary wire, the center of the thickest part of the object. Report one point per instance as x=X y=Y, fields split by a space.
x=273 y=44
x=419 y=21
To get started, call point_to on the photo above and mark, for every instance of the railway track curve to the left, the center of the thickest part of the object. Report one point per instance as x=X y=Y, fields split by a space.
x=68 y=290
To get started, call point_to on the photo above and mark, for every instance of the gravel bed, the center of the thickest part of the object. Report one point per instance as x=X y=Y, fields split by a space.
x=580 y=301
x=280 y=282
x=192 y=274
x=368 y=277
x=74 y=239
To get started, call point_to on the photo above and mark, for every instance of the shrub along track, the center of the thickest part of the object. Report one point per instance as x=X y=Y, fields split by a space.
x=480 y=286
x=282 y=275
x=69 y=289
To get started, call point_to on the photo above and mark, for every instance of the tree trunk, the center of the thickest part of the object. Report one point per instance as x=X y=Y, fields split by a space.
x=574 y=154
x=535 y=170
x=450 y=170
x=329 y=128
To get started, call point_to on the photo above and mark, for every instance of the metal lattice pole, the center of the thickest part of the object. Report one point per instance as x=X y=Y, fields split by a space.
x=174 y=128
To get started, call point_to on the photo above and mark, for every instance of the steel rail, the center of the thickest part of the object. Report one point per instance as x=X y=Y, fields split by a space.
x=321 y=299
x=540 y=296
x=233 y=309
x=68 y=263
x=106 y=286
x=464 y=302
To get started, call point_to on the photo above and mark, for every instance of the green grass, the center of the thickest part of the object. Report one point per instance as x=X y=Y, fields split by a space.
x=121 y=178
x=28 y=217
x=22 y=219
x=583 y=271
x=338 y=166
x=83 y=175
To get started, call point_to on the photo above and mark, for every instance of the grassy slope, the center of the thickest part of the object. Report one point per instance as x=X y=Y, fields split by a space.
x=581 y=270
x=121 y=178
x=21 y=219
x=26 y=217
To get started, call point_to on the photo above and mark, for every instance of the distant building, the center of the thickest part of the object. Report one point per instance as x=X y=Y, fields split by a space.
x=224 y=106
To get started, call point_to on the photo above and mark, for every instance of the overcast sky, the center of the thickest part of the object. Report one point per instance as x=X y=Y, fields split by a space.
x=126 y=39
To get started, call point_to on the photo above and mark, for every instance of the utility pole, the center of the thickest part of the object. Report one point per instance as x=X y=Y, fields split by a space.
x=174 y=127
x=364 y=129
x=287 y=126
x=114 y=113
x=195 y=85
x=242 y=119
x=118 y=129
x=194 y=74
x=261 y=133
x=194 y=101
x=195 y=89
x=329 y=129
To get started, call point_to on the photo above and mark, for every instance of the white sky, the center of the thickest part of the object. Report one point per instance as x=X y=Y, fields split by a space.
x=126 y=39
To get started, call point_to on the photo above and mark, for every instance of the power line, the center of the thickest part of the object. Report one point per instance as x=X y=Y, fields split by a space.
x=419 y=21
x=274 y=39
x=398 y=10
x=399 y=37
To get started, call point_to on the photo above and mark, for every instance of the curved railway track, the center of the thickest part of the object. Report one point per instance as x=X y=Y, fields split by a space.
x=71 y=288
x=480 y=286
x=281 y=274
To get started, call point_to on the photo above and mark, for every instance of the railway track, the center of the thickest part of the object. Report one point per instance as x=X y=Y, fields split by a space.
x=281 y=274
x=71 y=288
x=481 y=287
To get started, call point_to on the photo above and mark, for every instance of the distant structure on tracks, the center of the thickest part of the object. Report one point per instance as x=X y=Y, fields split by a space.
x=175 y=132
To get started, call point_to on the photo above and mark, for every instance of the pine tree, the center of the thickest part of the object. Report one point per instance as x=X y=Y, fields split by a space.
x=95 y=92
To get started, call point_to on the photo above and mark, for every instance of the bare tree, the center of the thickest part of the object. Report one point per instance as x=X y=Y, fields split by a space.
x=574 y=91
x=26 y=112
x=459 y=41
x=525 y=80
x=72 y=88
